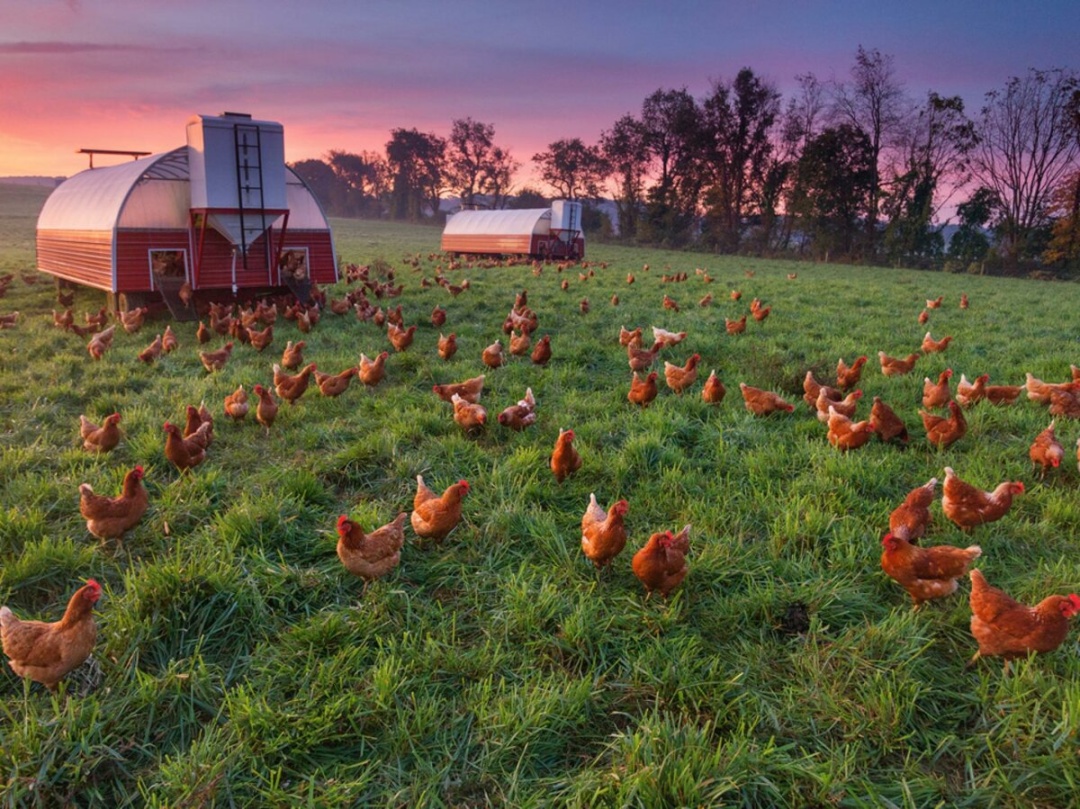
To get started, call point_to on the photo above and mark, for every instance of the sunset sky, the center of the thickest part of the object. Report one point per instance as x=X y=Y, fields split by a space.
x=340 y=74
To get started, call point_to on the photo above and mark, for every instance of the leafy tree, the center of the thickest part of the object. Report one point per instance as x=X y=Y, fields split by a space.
x=737 y=119
x=1027 y=148
x=361 y=178
x=623 y=148
x=671 y=124
x=573 y=169
x=833 y=189
x=324 y=184
x=416 y=163
x=528 y=198
x=1064 y=247
x=873 y=102
x=909 y=237
x=969 y=244
x=1064 y=244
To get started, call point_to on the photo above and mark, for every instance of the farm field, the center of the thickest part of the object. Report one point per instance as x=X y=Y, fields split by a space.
x=239 y=664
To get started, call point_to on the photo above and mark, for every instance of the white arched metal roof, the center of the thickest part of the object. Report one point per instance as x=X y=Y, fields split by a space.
x=500 y=223
x=94 y=199
x=153 y=192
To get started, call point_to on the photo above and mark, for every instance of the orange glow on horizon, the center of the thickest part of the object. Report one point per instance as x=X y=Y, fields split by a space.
x=56 y=154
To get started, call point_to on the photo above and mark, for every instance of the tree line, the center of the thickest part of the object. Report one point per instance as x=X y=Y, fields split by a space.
x=852 y=170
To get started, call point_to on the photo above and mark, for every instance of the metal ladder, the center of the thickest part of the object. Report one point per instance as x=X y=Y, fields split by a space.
x=249 y=187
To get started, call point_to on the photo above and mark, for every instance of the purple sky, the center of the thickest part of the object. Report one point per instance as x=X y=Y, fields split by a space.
x=340 y=74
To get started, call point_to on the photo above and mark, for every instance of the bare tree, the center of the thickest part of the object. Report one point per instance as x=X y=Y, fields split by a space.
x=1027 y=147
x=497 y=177
x=474 y=164
x=938 y=141
x=467 y=150
x=800 y=124
x=802 y=118
x=930 y=162
x=874 y=102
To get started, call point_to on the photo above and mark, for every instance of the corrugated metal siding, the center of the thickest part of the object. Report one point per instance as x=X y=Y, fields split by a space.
x=84 y=257
x=217 y=259
x=487 y=243
x=321 y=261
x=215 y=272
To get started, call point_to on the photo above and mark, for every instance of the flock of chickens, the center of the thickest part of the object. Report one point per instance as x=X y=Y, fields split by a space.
x=46 y=652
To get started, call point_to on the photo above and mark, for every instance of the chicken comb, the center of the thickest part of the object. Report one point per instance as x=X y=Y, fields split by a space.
x=1074 y=599
x=464 y=484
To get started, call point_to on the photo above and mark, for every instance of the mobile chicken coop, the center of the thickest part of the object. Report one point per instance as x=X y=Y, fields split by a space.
x=221 y=215
x=540 y=233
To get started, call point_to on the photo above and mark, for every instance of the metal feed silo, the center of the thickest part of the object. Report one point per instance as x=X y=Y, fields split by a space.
x=237 y=167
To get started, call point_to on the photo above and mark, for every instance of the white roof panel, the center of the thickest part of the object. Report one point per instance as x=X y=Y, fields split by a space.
x=500 y=223
x=305 y=213
x=93 y=199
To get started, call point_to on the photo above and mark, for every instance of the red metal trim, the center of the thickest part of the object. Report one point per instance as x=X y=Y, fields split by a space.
x=277 y=254
x=266 y=211
x=196 y=265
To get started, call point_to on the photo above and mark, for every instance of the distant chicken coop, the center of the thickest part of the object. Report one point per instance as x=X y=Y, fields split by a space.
x=223 y=214
x=540 y=233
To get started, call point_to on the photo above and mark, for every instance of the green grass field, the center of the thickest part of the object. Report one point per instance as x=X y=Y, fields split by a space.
x=241 y=665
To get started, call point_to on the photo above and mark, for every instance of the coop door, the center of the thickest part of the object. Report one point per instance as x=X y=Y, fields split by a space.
x=168 y=268
x=293 y=266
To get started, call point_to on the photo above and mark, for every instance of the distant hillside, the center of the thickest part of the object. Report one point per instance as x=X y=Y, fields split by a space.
x=21 y=201
x=48 y=182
